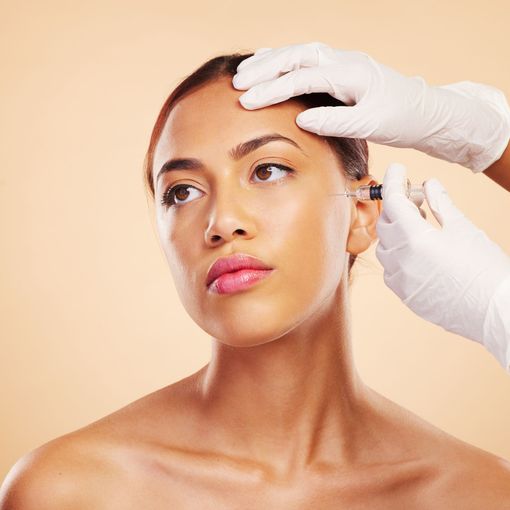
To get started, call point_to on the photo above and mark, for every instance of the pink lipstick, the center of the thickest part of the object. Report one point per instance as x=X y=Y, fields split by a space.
x=235 y=273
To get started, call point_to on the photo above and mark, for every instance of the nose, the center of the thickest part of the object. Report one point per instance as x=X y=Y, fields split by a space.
x=230 y=217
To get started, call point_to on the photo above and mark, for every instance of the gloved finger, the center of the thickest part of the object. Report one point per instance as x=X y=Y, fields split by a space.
x=440 y=202
x=395 y=258
x=342 y=121
x=389 y=232
x=394 y=181
x=254 y=58
x=388 y=258
x=273 y=64
x=393 y=234
x=417 y=199
x=294 y=83
x=407 y=284
x=396 y=204
x=395 y=283
x=261 y=51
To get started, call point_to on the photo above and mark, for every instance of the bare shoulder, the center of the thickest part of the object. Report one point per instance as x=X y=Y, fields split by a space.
x=54 y=475
x=473 y=479
x=456 y=474
x=94 y=466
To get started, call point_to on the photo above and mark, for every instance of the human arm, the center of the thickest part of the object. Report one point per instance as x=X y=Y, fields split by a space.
x=499 y=171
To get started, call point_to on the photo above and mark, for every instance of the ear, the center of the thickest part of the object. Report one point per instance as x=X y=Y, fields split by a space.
x=364 y=216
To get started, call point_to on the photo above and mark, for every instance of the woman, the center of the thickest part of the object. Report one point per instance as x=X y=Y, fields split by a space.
x=279 y=417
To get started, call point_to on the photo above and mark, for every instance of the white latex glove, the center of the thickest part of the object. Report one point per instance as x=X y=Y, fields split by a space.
x=453 y=276
x=464 y=122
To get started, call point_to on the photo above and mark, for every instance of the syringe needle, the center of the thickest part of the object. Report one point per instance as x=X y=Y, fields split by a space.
x=374 y=192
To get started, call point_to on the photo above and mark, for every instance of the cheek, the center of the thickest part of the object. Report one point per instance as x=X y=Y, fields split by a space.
x=309 y=237
x=299 y=229
x=176 y=244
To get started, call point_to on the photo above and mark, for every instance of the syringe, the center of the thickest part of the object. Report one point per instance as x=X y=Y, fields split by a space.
x=374 y=192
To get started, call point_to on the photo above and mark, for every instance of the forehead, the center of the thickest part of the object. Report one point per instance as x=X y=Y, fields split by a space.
x=211 y=120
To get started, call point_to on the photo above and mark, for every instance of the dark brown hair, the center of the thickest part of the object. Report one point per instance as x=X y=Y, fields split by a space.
x=352 y=153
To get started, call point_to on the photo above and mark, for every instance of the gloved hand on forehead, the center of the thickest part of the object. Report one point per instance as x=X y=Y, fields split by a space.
x=465 y=122
x=453 y=276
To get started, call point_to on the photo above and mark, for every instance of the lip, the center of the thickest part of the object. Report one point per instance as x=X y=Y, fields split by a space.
x=236 y=262
x=229 y=283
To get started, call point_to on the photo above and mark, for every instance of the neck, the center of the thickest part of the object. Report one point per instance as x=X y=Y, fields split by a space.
x=293 y=401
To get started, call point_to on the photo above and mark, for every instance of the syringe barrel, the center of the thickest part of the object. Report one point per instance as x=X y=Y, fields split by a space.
x=375 y=192
x=369 y=192
x=364 y=192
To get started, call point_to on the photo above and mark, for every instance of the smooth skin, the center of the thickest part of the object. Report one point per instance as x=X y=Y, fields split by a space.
x=499 y=171
x=279 y=418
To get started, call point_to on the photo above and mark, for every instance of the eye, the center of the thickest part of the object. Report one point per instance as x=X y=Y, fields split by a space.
x=175 y=191
x=170 y=194
x=265 y=166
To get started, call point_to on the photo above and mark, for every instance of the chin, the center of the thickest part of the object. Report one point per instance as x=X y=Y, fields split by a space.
x=246 y=334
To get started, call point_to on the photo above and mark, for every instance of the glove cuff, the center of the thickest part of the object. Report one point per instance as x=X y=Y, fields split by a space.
x=491 y=113
x=496 y=327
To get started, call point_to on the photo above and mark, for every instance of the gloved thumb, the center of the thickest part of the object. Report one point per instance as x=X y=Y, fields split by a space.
x=440 y=202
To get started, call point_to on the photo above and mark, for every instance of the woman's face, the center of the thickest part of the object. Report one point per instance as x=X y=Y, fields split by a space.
x=286 y=219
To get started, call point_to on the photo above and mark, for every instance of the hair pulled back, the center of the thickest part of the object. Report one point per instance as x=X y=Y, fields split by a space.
x=352 y=153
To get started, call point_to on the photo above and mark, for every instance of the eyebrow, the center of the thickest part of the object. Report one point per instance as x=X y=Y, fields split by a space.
x=236 y=153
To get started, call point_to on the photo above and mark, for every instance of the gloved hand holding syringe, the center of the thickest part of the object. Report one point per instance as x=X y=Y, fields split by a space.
x=448 y=276
x=454 y=276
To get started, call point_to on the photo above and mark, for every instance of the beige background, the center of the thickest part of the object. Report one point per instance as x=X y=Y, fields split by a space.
x=90 y=319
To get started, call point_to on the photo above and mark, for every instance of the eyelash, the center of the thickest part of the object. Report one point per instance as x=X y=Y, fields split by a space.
x=167 y=194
